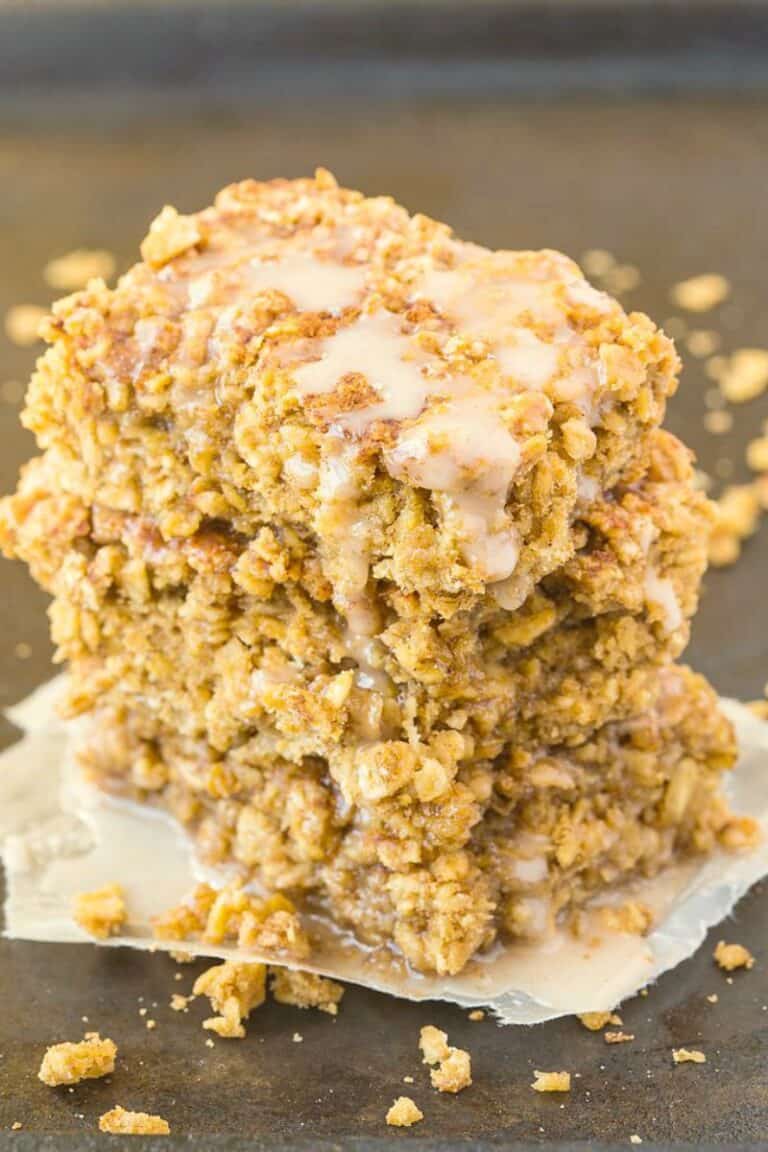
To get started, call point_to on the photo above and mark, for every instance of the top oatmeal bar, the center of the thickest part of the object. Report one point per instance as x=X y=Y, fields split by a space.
x=370 y=558
x=301 y=354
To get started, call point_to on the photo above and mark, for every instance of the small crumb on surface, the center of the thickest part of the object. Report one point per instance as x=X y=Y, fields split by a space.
x=701 y=293
x=476 y=1015
x=433 y=1043
x=597 y=261
x=688 y=1056
x=552 y=1082
x=16 y=1126
x=119 y=1122
x=22 y=324
x=453 y=1066
x=407 y=1079
x=67 y=273
x=297 y=1038
x=234 y=990
x=101 y=913
x=594 y=1021
x=151 y=1025
x=635 y=1139
x=209 y=1043
x=757 y=454
x=701 y=342
x=745 y=375
x=403 y=1113
x=731 y=956
x=306 y=990
x=621 y=278
x=23 y=650
x=454 y=1073
x=713 y=999
x=179 y=1003
x=618 y=1037
x=69 y=1063
x=737 y=515
x=718 y=422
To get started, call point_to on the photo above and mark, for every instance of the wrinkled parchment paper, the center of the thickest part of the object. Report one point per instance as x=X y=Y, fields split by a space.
x=60 y=836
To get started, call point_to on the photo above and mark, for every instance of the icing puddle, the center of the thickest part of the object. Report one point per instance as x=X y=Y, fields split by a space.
x=61 y=836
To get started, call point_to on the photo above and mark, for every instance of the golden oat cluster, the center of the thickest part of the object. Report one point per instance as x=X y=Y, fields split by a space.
x=372 y=563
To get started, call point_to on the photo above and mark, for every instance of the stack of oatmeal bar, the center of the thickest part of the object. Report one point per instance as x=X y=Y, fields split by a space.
x=371 y=561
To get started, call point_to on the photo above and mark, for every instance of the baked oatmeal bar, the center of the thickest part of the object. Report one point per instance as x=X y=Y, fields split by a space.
x=370 y=561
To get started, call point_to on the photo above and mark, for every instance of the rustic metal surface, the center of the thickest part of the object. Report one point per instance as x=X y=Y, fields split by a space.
x=675 y=188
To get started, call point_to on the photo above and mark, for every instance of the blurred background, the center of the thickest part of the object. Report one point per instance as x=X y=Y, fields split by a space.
x=631 y=127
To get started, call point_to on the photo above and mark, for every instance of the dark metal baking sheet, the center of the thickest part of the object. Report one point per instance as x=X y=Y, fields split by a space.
x=675 y=186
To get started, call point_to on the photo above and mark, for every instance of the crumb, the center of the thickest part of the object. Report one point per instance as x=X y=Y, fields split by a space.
x=434 y=1044
x=70 y=1063
x=22 y=651
x=407 y=1079
x=297 y=1038
x=454 y=1065
x=101 y=913
x=621 y=278
x=618 y=1037
x=643 y=992
x=716 y=367
x=143 y=1011
x=635 y=1139
x=178 y=975
x=476 y=1015
x=404 y=1113
x=122 y=1123
x=73 y=271
x=701 y=293
x=713 y=999
x=209 y=1043
x=702 y=343
x=182 y=958
x=22 y=324
x=757 y=454
x=594 y=1021
x=234 y=990
x=730 y=956
x=745 y=375
x=737 y=515
x=92 y=1036
x=179 y=1003
x=718 y=422
x=688 y=1056
x=552 y=1082
x=16 y=1126
x=305 y=990
x=230 y=913
x=454 y=1073
x=597 y=261
x=151 y=1025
